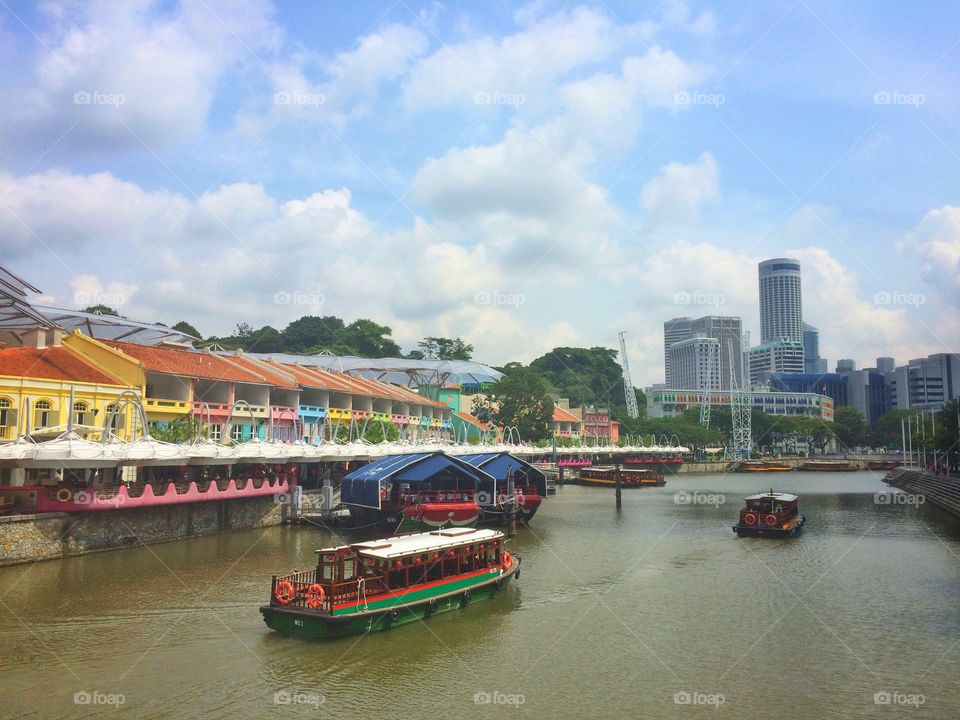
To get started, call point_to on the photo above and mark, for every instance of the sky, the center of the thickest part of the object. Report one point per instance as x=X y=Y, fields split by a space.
x=523 y=176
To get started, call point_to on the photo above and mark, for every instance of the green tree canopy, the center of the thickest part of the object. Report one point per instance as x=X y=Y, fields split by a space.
x=369 y=339
x=311 y=331
x=520 y=400
x=101 y=310
x=850 y=426
x=441 y=348
x=185 y=327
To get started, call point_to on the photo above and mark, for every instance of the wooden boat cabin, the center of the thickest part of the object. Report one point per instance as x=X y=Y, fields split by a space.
x=380 y=584
x=629 y=477
x=418 y=491
x=529 y=486
x=770 y=514
x=829 y=466
x=762 y=466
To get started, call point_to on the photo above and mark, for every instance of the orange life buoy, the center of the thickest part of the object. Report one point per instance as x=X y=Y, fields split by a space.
x=507 y=559
x=64 y=495
x=315 y=597
x=750 y=519
x=284 y=592
x=771 y=520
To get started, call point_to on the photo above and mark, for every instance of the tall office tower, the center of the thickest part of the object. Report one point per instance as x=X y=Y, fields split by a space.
x=725 y=329
x=695 y=363
x=812 y=362
x=886 y=364
x=728 y=331
x=673 y=331
x=781 y=307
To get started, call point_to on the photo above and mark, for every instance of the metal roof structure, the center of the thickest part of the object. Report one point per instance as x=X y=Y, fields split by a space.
x=16 y=312
x=114 y=327
x=498 y=464
x=400 y=371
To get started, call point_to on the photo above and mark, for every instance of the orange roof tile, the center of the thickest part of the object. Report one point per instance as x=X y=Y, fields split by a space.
x=561 y=415
x=475 y=421
x=51 y=363
x=276 y=378
x=188 y=363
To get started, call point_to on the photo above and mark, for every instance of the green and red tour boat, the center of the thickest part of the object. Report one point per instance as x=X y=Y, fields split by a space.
x=629 y=477
x=380 y=584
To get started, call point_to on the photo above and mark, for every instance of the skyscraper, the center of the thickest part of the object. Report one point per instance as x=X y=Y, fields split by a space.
x=781 y=307
x=673 y=331
x=726 y=330
x=695 y=363
x=812 y=362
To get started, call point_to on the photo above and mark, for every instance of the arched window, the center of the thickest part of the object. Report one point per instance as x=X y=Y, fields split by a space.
x=117 y=419
x=42 y=414
x=82 y=414
x=8 y=418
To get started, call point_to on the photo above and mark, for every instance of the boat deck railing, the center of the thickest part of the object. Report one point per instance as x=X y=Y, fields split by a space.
x=335 y=592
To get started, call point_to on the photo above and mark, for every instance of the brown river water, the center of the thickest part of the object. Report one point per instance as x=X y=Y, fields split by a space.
x=656 y=612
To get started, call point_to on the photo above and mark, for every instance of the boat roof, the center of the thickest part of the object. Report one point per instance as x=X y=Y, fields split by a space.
x=785 y=497
x=422 y=542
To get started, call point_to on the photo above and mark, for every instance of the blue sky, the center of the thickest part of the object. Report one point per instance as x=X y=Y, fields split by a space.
x=521 y=175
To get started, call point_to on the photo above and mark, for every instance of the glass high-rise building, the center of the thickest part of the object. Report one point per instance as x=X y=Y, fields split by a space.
x=781 y=306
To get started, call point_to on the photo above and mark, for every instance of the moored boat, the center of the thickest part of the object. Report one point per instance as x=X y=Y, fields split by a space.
x=770 y=514
x=414 y=492
x=829 y=466
x=761 y=466
x=629 y=477
x=529 y=486
x=377 y=585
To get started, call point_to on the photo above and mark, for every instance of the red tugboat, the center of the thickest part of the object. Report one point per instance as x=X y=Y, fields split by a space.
x=770 y=514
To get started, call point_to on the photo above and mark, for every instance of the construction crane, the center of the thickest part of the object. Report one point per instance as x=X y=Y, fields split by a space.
x=741 y=404
x=633 y=410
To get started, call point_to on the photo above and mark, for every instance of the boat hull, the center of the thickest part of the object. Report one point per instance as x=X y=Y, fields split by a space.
x=768 y=532
x=454 y=596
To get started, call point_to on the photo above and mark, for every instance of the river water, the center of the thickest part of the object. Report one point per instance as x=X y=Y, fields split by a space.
x=656 y=612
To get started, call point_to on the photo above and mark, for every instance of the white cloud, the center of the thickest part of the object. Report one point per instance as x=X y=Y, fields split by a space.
x=527 y=62
x=125 y=75
x=937 y=241
x=679 y=190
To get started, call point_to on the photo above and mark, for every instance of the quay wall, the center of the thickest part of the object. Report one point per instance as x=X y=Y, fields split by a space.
x=27 y=538
x=944 y=492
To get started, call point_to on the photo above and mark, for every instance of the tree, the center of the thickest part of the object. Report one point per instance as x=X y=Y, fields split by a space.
x=369 y=339
x=886 y=430
x=850 y=426
x=186 y=328
x=101 y=310
x=584 y=375
x=267 y=339
x=520 y=400
x=312 y=331
x=416 y=355
x=441 y=348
